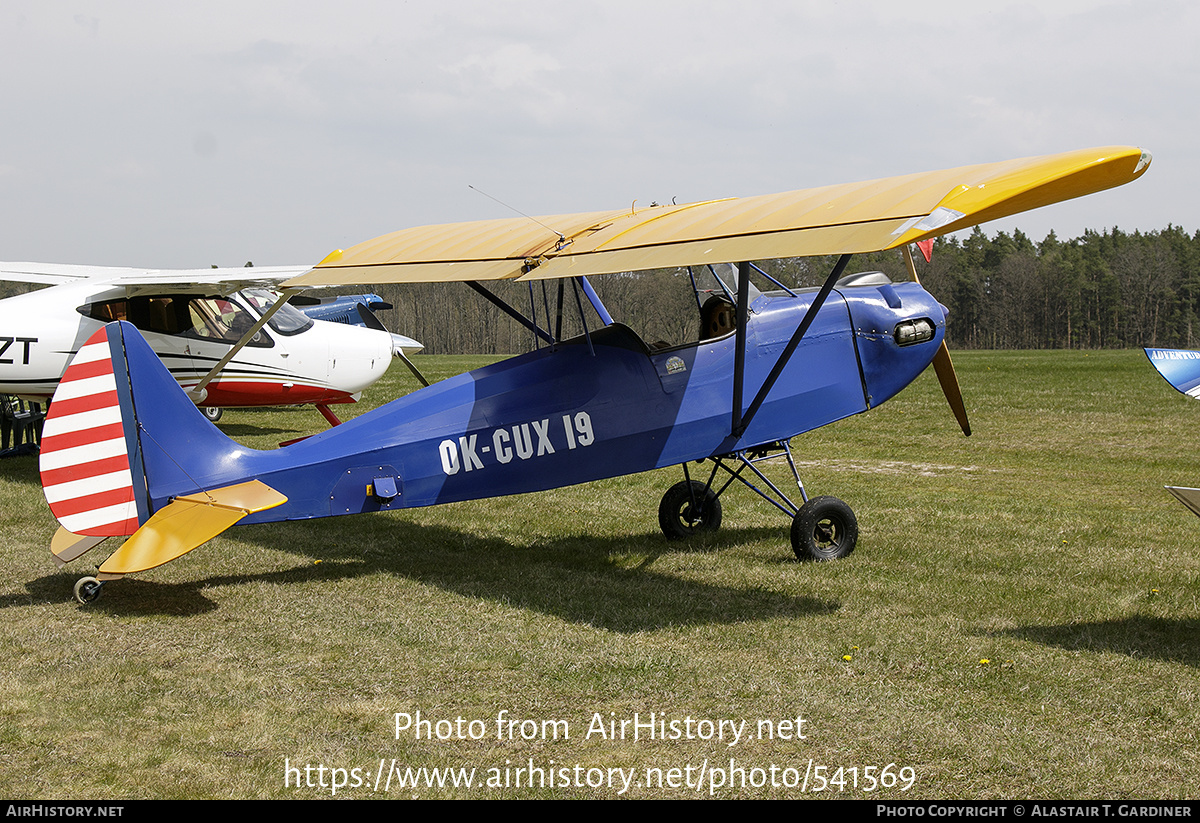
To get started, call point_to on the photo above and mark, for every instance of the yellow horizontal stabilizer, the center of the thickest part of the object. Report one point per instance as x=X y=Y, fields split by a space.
x=250 y=497
x=188 y=522
x=66 y=545
x=855 y=217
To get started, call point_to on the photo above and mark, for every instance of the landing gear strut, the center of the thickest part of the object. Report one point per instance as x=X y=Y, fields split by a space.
x=823 y=528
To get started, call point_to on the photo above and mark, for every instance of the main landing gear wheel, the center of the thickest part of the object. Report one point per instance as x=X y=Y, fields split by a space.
x=679 y=518
x=824 y=529
x=213 y=413
x=87 y=589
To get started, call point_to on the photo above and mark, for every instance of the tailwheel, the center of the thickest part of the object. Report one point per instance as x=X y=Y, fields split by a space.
x=87 y=589
x=824 y=529
x=689 y=507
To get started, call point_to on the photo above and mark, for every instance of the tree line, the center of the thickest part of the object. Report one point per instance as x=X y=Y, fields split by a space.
x=1107 y=289
x=1103 y=290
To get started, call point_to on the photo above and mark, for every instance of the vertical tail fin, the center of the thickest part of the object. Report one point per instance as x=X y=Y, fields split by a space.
x=85 y=467
x=124 y=459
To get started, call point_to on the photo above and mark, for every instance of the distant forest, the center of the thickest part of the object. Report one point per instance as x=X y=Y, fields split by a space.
x=1101 y=290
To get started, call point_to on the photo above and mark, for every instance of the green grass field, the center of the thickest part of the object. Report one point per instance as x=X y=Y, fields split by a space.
x=1019 y=620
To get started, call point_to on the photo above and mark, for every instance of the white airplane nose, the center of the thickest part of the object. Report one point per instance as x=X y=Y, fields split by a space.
x=358 y=357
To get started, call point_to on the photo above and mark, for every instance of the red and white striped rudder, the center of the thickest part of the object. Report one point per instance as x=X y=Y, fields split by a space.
x=84 y=463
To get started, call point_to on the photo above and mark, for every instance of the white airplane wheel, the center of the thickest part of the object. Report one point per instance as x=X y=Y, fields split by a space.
x=87 y=589
x=824 y=529
x=213 y=413
x=679 y=519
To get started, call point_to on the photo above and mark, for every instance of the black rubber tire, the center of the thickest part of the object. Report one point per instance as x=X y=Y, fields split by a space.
x=824 y=529
x=87 y=589
x=213 y=413
x=676 y=516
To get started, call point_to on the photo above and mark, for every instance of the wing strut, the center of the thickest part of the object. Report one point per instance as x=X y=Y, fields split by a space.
x=511 y=312
x=739 y=363
x=742 y=421
x=198 y=392
x=594 y=299
x=587 y=334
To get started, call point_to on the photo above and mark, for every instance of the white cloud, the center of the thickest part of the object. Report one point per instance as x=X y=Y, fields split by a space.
x=276 y=131
x=513 y=65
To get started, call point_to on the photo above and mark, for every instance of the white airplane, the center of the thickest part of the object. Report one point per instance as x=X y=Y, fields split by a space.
x=192 y=319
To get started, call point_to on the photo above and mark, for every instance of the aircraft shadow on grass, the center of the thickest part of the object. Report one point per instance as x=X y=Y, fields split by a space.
x=1152 y=638
x=570 y=578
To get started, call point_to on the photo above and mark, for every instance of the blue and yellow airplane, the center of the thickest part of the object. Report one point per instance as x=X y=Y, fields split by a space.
x=125 y=452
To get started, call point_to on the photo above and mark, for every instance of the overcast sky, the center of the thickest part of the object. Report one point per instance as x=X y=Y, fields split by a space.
x=186 y=134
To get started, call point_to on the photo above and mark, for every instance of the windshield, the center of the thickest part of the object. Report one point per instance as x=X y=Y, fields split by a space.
x=287 y=321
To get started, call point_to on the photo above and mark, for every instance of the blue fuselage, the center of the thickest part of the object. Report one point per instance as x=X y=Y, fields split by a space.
x=575 y=413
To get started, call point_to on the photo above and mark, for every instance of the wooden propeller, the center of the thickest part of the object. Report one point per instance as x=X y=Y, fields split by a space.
x=941 y=363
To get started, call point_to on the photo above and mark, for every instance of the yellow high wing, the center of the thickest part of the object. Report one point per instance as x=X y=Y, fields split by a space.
x=845 y=219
